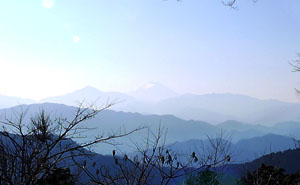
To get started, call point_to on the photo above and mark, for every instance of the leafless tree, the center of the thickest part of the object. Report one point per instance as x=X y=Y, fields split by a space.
x=32 y=150
x=155 y=163
x=296 y=68
x=232 y=3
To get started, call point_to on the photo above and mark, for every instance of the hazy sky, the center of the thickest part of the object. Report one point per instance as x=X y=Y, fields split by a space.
x=50 y=47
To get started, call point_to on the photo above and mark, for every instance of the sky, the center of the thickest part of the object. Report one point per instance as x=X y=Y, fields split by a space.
x=52 y=47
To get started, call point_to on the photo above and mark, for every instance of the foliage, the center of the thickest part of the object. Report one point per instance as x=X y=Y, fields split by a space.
x=206 y=177
x=209 y=177
x=58 y=176
x=270 y=175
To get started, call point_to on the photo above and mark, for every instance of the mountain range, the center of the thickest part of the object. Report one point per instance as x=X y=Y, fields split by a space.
x=288 y=160
x=155 y=98
x=177 y=130
x=10 y=101
x=244 y=150
x=246 y=141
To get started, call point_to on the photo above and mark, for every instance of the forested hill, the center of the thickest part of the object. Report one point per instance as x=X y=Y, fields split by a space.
x=289 y=160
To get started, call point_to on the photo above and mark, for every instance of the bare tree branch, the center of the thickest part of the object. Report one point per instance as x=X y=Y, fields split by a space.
x=32 y=151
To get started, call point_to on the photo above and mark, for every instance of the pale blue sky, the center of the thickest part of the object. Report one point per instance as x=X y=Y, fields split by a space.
x=196 y=46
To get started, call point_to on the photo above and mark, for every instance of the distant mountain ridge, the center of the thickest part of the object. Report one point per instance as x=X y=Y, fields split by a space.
x=213 y=108
x=244 y=150
x=177 y=129
x=239 y=107
x=10 y=101
x=155 y=98
x=289 y=160
x=90 y=95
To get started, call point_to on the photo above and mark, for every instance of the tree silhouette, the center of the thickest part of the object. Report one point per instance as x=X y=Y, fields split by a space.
x=35 y=151
x=155 y=163
x=232 y=3
x=58 y=176
x=270 y=175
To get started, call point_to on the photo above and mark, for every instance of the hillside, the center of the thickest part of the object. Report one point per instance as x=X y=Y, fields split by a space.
x=243 y=151
x=289 y=160
x=155 y=98
x=177 y=129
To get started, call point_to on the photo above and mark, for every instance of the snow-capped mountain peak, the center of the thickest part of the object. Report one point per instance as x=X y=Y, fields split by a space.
x=153 y=92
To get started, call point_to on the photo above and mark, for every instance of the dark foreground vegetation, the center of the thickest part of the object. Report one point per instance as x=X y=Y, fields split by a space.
x=41 y=150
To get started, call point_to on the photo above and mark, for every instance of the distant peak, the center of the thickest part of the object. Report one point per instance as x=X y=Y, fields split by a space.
x=89 y=88
x=153 y=91
x=151 y=85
